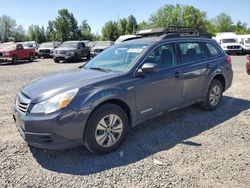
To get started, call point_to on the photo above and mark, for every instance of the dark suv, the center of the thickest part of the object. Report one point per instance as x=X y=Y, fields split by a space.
x=121 y=87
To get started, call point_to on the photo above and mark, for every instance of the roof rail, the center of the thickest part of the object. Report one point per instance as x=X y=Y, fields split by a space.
x=173 y=32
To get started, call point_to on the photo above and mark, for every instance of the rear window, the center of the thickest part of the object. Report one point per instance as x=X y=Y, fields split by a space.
x=213 y=50
x=191 y=52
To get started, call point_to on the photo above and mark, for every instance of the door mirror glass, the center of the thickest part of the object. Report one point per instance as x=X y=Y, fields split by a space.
x=150 y=68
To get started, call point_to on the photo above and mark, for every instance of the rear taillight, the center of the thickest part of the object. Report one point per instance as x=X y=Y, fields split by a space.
x=229 y=60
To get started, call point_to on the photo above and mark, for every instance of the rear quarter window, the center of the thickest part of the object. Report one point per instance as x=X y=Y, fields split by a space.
x=213 y=49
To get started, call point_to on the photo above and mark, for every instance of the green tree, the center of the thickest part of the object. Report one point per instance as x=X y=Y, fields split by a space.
x=132 y=26
x=223 y=23
x=19 y=34
x=65 y=26
x=241 y=28
x=36 y=33
x=193 y=17
x=7 y=28
x=179 y=15
x=122 y=26
x=144 y=25
x=85 y=31
x=110 y=31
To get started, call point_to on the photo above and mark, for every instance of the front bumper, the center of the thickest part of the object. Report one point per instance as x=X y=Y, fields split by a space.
x=59 y=130
x=235 y=51
x=63 y=57
x=2 y=58
x=41 y=54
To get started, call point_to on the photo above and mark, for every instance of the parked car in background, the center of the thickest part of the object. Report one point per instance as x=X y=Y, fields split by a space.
x=31 y=44
x=47 y=49
x=123 y=86
x=100 y=46
x=229 y=43
x=91 y=44
x=248 y=64
x=71 y=51
x=124 y=38
x=14 y=52
x=244 y=40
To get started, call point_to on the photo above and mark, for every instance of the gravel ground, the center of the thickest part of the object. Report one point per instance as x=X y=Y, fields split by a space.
x=186 y=148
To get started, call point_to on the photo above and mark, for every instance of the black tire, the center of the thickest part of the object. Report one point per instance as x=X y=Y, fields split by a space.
x=212 y=104
x=39 y=57
x=248 y=71
x=75 y=58
x=56 y=61
x=88 y=56
x=14 y=60
x=90 y=139
x=31 y=58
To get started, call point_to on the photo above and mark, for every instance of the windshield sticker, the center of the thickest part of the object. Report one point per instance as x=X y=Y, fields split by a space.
x=135 y=50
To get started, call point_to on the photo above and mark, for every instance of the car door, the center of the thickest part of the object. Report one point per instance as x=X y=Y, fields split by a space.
x=83 y=49
x=20 y=51
x=195 y=68
x=161 y=90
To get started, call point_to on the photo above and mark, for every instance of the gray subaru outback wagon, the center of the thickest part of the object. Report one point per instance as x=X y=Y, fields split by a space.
x=121 y=87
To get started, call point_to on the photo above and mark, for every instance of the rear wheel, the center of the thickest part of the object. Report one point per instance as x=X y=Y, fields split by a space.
x=214 y=95
x=14 y=60
x=106 y=129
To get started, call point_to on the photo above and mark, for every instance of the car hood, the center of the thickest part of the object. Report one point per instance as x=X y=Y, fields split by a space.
x=66 y=48
x=99 y=47
x=45 y=48
x=48 y=86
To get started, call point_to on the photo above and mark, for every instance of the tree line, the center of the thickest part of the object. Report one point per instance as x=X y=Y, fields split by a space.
x=66 y=27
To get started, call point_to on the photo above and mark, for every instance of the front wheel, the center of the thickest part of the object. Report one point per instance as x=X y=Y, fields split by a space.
x=56 y=61
x=14 y=60
x=106 y=129
x=88 y=57
x=31 y=58
x=214 y=95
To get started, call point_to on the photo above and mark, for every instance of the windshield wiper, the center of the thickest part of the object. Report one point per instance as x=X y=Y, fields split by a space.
x=98 y=68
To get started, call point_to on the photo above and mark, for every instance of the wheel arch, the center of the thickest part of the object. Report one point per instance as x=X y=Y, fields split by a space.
x=118 y=102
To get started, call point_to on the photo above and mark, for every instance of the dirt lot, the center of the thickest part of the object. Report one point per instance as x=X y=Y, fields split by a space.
x=186 y=148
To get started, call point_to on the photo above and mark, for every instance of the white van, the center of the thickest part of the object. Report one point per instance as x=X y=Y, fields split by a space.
x=244 y=40
x=229 y=42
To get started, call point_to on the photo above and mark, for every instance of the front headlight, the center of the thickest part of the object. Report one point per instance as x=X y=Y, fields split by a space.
x=6 y=53
x=55 y=103
x=71 y=52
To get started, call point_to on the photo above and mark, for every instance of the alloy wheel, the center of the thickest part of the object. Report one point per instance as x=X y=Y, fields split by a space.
x=109 y=130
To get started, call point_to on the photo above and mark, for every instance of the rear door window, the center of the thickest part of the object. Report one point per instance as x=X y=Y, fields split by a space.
x=213 y=50
x=191 y=52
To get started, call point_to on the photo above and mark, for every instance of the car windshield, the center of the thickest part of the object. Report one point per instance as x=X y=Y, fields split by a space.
x=69 y=44
x=117 y=58
x=7 y=46
x=247 y=40
x=47 y=45
x=229 y=40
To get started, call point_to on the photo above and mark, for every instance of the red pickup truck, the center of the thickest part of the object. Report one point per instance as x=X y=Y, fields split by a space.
x=14 y=51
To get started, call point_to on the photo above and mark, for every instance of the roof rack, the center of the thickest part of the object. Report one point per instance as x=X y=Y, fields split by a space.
x=173 y=32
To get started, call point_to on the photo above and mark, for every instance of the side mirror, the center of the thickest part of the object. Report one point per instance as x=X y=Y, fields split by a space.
x=147 y=68
x=150 y=68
